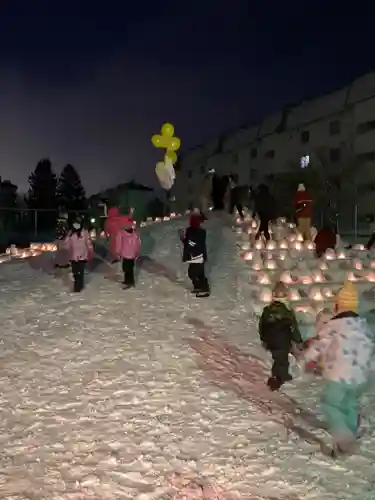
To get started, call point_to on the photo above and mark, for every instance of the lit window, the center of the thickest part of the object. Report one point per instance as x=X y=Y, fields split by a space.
x=305 y=161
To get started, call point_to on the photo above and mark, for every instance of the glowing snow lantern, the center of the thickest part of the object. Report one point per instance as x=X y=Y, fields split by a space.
x=291 y=225
x=249 y=230
x=327 y=293
x=299 y=237
x=283 y=245
x=309 y=245
x=330 y=254
x=323 y=266
x=351 y=277
x=306 y=280
x=292 y=238
x=316 y=294
x=248 y=256
x=254 y=224
x=263 y=279
x=359 y=247
x=271 y=245
x=286 y=278
x=257 y=265
x=266 y=296
x=294 y=295
x=259 y=245
x=371 y=277
x=282 y=220
x=157 y=219
x=298 y=245
x=341 y=255
x=283 y=255
x=357 y=264
x=271 y=264
x=318 y=277
x=245 y=245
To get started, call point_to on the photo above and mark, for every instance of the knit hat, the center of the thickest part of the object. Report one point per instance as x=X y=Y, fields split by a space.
x=195 y=220
x=347 y=297
x=301 y=187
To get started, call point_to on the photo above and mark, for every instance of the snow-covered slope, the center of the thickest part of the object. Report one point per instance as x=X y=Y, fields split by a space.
x=142 y=394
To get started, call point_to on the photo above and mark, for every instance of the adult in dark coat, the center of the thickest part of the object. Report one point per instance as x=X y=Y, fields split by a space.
x=236 y=195
x=264 y=206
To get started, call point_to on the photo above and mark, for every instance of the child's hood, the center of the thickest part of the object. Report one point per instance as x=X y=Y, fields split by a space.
x=278 y=310
x=350 y=324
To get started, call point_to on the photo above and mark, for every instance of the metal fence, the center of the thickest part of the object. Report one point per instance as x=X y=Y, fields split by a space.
x=18 y=225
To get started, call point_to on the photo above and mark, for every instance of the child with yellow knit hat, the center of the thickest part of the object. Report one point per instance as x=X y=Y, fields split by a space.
x=345 y=348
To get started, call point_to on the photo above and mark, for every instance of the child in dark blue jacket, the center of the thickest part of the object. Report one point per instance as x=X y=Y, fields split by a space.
x=195 y=254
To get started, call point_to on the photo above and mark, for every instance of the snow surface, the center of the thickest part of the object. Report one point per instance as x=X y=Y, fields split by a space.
x=143 y=394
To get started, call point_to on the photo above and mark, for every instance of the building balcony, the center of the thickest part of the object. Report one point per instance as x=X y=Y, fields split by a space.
x=364 y=143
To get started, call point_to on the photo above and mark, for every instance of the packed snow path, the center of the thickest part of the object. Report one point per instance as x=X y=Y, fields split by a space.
x=103 y=396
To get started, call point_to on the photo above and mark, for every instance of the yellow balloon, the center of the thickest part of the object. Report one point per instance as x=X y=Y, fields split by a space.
x=171 y=155
x=174 y=144
x=167 y=130
x=157 y=141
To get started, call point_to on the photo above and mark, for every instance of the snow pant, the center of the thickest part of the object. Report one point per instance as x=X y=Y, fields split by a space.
x=263 y=228
x=238 y=207
x=78 y=270
x=128 y=269
x=304 y=227
x=197 y=276
x=280 y=366
x=340 y=406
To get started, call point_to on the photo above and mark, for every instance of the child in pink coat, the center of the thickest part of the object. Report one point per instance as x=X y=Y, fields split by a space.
x=128 y=246
x=80 y=249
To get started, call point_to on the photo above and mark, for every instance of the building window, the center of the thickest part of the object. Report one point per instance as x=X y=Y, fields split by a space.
x=364 y=157
x=305 y=161
x=253 y=153
x=364 y=127
x=189 y=174
x=335 y=127
x=253 y=174
x=305 y=136
x=334 y=155
x=270 y=154
x=366 y=188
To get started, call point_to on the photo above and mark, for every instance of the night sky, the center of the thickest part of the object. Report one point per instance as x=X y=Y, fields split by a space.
x=89 y=82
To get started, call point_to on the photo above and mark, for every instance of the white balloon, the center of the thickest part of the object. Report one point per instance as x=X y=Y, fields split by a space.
x=165 y=173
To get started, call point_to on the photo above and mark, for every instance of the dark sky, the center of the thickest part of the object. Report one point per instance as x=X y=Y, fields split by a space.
x=89 y=82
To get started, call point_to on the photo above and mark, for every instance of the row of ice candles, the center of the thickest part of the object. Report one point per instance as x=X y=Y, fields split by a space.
x=36 y=248
x=294 y=244
x=316 y=294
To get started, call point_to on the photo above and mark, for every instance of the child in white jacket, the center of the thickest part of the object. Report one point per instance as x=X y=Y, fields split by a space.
x=345 y=349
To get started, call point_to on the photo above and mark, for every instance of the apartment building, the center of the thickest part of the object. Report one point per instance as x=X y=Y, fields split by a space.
x=339 y=126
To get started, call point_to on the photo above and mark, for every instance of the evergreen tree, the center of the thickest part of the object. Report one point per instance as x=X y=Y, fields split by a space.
x=70 y=191
x=42 y=190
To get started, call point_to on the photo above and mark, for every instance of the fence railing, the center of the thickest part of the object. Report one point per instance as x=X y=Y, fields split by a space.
x=33 y=224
